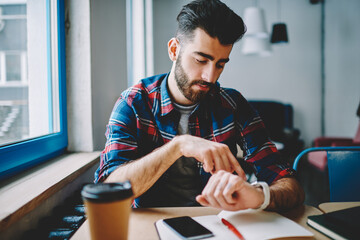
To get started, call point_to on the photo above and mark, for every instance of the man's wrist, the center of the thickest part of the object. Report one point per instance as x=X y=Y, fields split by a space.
x=176 y=146
x=266 y=191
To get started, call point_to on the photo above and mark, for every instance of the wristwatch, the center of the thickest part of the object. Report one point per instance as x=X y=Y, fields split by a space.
x=266 y=191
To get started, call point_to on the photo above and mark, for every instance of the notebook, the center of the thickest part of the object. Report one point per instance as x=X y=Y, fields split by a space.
x=342 y=224
x=252 y=224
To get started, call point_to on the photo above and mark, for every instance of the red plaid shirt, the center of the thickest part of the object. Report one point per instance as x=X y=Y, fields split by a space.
x=144 y=118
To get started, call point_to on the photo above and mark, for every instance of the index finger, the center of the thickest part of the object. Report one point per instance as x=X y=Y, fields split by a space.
x=235 y=164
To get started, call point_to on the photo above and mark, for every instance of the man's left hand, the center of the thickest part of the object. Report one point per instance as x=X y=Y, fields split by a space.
x=230 y=192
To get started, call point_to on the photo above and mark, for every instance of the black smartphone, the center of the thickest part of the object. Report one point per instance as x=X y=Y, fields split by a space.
x=188 y=228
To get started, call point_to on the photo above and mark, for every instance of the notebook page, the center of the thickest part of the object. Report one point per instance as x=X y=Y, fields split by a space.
x=255 y=224
x=252 y=224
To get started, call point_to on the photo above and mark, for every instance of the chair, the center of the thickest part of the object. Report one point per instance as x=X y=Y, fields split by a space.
x=318 y=159
x=278 y=120
x=343 y=168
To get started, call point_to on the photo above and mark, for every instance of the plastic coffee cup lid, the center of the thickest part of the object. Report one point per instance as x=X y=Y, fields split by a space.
x=107 y=192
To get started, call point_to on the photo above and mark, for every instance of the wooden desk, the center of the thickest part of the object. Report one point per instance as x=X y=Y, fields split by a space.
x=334 y=206
x=144 y=219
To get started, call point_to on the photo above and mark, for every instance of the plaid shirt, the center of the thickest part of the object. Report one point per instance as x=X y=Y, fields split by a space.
x=144 y=119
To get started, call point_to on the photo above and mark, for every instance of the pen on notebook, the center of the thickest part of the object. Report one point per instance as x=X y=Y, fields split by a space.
x=232 y=228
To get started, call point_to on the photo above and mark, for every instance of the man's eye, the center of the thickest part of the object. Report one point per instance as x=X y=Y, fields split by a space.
x=200 y=61
x=220 y=66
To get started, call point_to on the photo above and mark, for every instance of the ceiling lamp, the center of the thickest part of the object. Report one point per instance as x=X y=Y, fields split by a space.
x=256 y=47
x=256 y=40
x=279 y=33
x=254 y=19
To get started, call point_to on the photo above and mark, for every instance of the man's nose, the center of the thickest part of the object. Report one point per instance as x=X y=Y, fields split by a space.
x=209 y=73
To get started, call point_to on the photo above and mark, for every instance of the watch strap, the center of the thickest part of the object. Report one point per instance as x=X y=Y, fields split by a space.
x=266 y=191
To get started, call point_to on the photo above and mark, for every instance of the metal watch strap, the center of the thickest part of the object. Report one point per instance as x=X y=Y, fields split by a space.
x=266 y=191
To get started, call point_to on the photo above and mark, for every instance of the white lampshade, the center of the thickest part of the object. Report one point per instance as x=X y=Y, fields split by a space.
x=254 y=19
x=256 y=46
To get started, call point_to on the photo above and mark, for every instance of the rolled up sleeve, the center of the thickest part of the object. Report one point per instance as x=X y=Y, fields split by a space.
x=121 y=144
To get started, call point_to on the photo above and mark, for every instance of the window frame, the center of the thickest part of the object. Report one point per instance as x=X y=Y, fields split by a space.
x=20 y=156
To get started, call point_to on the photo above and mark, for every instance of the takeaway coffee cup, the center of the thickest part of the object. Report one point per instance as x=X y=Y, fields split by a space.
x=108 y=208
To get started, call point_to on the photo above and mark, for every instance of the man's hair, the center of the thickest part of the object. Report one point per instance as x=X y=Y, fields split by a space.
x=212 y=16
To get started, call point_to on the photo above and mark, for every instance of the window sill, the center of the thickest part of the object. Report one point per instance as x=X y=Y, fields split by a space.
x=21 y=196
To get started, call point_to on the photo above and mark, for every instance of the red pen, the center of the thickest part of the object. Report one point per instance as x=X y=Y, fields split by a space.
x=233 y=229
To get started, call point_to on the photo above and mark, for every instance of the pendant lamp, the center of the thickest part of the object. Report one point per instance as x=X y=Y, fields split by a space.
x=254 y=18
x=256 y=40
x=279 y=31
x=256 y=47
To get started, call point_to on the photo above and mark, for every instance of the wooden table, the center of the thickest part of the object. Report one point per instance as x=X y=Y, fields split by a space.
x=144 y=219
x=334 y=206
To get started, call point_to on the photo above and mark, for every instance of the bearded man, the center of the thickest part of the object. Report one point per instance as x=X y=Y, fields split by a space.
x=175 y=135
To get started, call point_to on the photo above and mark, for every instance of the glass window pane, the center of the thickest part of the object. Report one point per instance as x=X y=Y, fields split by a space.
x=27 y=82
x=13 y=67
x=1 y=71
x=33 y=126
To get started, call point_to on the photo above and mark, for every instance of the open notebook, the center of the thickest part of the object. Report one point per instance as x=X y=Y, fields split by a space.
x=252 y=224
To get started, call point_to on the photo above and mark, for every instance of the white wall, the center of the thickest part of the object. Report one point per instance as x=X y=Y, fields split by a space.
x=78 y=75
x=342 y=66
x=108 y=62
x=96 y=68
x=293 y=73
x=164 y=27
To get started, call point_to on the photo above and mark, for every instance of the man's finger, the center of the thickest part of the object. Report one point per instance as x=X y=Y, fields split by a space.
x=221 y=189
x=208 y=164
x=236 y=166
x=240 y=172
x=230 y=189
x=202 y=200
x=219 y=163
x=227 y=163
x=210 y=189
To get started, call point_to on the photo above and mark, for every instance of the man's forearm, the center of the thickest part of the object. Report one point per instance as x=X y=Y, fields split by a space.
x=144 y=172
x=285 y=193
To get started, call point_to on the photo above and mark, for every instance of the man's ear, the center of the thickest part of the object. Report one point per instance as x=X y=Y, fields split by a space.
x=173 y=49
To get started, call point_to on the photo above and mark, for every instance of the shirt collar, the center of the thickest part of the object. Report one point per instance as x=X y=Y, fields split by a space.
x=166 y=103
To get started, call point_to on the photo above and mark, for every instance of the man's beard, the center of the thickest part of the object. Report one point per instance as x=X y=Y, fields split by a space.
x=184 y=84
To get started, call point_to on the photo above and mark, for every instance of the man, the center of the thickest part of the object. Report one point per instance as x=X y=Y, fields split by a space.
x=170 y=133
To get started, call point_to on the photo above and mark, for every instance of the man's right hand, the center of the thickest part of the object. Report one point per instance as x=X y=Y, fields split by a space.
x=214 y=156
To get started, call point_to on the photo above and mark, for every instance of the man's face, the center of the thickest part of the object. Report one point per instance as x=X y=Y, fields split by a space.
x=185 y=85
x=199 y=65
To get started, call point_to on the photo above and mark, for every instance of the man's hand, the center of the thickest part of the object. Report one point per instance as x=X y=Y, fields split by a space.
x=230 y=192
x=214 y=156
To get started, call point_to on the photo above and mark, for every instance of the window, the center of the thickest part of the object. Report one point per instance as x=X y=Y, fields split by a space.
x=32 y=83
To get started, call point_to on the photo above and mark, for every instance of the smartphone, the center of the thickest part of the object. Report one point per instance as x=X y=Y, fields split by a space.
x=188 y=228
